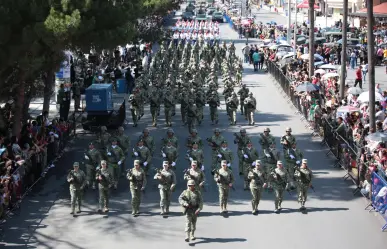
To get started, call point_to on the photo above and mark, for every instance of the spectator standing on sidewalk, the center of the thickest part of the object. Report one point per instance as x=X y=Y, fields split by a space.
x=359 y=78
x=256 y=60
x=246 y=52
x=64 y=100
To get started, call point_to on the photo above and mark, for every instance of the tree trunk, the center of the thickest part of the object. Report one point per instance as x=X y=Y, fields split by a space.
x=311 y=39
x=26 y=105
x=371 y=64
x=48 y=86
x=343 y=71
x=18 y=111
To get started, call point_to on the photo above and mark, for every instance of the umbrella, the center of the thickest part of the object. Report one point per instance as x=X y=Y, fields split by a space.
x=328 y=66
x=377 y=137
x=320 y=71
x=316 y=56
x=348 y=108
x=306 y=87
x=305 y=5
x=273 y=47
x=330 y=75
x=355 y=90
x=364 y=97
x=318 y=63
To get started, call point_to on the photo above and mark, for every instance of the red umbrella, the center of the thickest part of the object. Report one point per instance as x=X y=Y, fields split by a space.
x=305 y=5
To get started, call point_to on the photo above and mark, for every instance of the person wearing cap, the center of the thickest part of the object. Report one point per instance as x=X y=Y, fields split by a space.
x=303 y=177
x=257 y=178
x=215 y=142
x=232 y=103
x=183 y=99
x=167 y=184
x=250 y=105
x=93 y=158
x=293 y=157
x=192 y=202
x=137 y=179
x=243 y=94
x=200 y=102
x=142 y=153
x=115 y=158
x=169 y=105
x=266 y=139
x=214 y=102
x=172 y=138
x=77 y=180
x=104 y=138
x=280 y=179
x=148 y=140
x=105 y=181
x=124 y=143
x=196 y=154
x=288 y=139
x=170 y=154
x=196 y=174
x=270 y=158
x=224 y=153
x=191 y=114
x=241 y=141
x=225 y=180
x=194 y=138
x=250 y=156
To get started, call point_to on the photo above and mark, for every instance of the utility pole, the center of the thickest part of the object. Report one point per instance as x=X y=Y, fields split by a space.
x=371 y=63
x=326 y=12
x=295 y=29
x=311 y=39
x=343 y=71
x=289 y=21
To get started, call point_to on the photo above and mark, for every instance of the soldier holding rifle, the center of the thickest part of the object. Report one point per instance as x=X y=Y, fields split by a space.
x=167 y=183
x=303 y=176
x=225 y=180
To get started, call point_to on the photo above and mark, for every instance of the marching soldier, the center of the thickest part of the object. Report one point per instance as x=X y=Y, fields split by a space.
x=134 y=102
x=142 y=154
x=303 y=176
x=225 y=154
x=148 y=141
x=171 y=137
x=288 y=139
x=232 y=106
x=115 y=157
x=200 y=103
x=243 y=94
x=191 y=115
x=293 y=157
x=194 y=173
x=196 y=154
x=250 y=156
x=215 y=142
x=167 y=183
x=265 y=139
x=270 y=158
x=77 y=180
x=183 y=106
x=214 y=103
x=280 y=180
x=168 y=107
x=225 y=180
x=104 y=183
x=104 y=138
x=137 y=179
x=250 y=105
x=257 y=180
x=241 y=140
x=192 y=202
x=170 y=154
x=154 y=107
x=194 y=138
x=124 y=143
x=93 y=159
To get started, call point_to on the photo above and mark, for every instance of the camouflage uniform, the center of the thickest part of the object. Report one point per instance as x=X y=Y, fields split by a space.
x=115 y=157
x=303 y=177
x=293 y=157
x=124 y=143
x=104 y=138
x=170 y=154
x=93 y=159
x=143 y=154
x=77 y=180
x=137 y=179
x=280 y=178
x=257 y=180
x=288 y=140
x=148 y=141
x=266 y=140
x=243 y=94
x=241 y=140
x=194 y=139
x=215 y=142
x=167 y=183
x=197 y=175
x=250 y=156
x=191 y=115
x=224 y=177
x=103 y=187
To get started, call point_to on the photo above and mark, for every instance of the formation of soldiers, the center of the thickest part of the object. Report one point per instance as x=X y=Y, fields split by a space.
x=188 y=75
x=264 y=170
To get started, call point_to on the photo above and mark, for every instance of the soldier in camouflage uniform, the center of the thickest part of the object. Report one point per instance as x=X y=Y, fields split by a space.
x=196 y=174
x=154 y=107
x=215 y=143
x=142 y=154
x=104 y=183
x=137 y=179
x=257 y=178
x=124 y=143
x=200 y=103
x=167 y=183
x=93 y=159
x=171 y=137
x=148 y=141
x=270 y=157
x=250 y=105
x=265 y=139
x=293 y=157
x=225 y=153
x=196 y=154
x=243 y=94
x=232 y=106
x=241 y=140
x=170 y=154
x=168 y=106
x=288 y=139
x=192 y=202
x=194 y=138
x=115 y=157
x=183 y=106
x=250 y=156
x=214 y=103
x=134 y=101
x=191 y=115
x=303 y=176
x=280 y=179
x=77 y=180
x=225 y=180
x=104 y=138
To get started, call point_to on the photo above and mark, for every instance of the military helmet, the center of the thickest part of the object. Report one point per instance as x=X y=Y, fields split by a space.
x=223 y=162
x=165 y=163
x=170 y=130
x=257 y=162
x=103 y=128
x=288 y=129
x=304 y=160
x=91 y=144
x=279 y=162
x=194 y=163
x=191 y=183
x=145 y=130
x=250 y=94
x=136 y=162
x=121 y=128
x=76 y=164
x=242 y=131
x=267 y=129
x=249 y=142
x=216 y=130
x=113 y=139
x=224 y=142
x=194 y=131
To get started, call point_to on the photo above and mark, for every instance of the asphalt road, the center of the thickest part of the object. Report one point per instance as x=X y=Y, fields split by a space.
x=335 y=218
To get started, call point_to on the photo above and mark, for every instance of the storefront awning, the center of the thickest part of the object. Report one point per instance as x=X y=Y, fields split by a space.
x=379 y=10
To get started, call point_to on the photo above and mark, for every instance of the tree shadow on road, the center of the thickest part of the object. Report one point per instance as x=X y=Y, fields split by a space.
x=203 y=240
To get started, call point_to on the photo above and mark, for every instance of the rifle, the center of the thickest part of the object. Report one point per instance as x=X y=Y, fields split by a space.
x=190 y=206
x=189 y=142
x=216 y=172
x=264 y=138
x=237 y=138
x=276 y=176
x=287 y=145
x=134 y=180
x=303 y=178
x=90 y=160
x=213 y=144
x=75 y=180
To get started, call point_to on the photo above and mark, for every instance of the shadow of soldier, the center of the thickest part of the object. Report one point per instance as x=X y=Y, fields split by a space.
x=202 y=240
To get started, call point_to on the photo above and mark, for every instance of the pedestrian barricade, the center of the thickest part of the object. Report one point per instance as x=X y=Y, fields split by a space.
x=378 y=197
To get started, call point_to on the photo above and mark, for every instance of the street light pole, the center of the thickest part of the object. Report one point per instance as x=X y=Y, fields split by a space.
x=289 y=22
x=311 y=38
x=295 y=30
x=343 y=71
x=326 y=13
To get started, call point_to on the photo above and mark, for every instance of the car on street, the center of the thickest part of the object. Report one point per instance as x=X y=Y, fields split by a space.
x=201 y=17
x=187 y=16
x=217 y=17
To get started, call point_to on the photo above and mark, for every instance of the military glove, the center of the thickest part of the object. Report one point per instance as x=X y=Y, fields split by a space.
x=87 y=158
x=268 y=155
x=164 y=155
x=298 y=162
x=253 y=164
x=219 y=155
x=292 y=157
x=109 y=154
x=173 y=164
x=119 y=163
x=135 y=153
x=229 y=165
x=202 y=168
x=142 y=188
x=245 y=156
x=145 y=163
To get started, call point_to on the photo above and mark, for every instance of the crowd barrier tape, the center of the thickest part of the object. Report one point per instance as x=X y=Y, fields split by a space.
x=379 y=197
